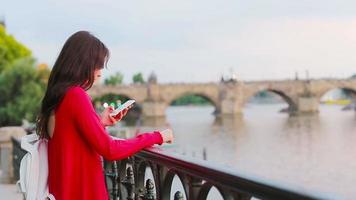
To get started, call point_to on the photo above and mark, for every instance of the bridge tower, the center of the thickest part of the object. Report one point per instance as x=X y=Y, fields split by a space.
x=230 y=98
x=154 y=105
x=307 y=102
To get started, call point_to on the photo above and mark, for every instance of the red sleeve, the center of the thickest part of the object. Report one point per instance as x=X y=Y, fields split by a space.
x=88 y=124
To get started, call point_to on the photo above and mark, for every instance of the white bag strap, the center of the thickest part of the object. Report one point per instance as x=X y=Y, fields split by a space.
x=50 y=197
x=19 y=189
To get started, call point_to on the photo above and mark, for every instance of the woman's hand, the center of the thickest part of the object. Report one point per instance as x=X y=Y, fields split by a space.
x=108 y=120
x=167 y=136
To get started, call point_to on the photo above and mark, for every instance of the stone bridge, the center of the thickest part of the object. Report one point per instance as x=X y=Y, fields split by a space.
x=228 y=97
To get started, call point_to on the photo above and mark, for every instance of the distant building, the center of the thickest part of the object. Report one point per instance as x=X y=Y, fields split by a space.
x=231 y=78
x=152 y=78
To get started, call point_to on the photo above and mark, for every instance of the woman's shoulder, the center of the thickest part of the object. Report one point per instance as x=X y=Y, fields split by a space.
x=76 y=92
x=75 y=89
x=75 y=96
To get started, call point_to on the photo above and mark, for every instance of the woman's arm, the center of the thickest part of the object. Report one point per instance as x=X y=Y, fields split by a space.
x=90 y=128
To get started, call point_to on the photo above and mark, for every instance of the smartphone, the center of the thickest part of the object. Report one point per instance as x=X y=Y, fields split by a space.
x=122 y=107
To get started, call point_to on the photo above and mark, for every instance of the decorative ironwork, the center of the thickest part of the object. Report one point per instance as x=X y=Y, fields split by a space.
x=114 y=177
x=129 y=183
x=197 y=178
x=178 y=196
x=150 y=192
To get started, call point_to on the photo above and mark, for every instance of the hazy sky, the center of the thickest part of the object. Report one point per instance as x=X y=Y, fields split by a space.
x=198 y=40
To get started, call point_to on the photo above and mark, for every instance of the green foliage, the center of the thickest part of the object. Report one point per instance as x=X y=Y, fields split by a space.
x=191 y=100
x=115 y=79
x=138 y=78
x=10 y=49
x=264 y=94
x=21 y=89
x=22 y=85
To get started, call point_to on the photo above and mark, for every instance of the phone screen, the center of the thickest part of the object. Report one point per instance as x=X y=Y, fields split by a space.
x=122 y=107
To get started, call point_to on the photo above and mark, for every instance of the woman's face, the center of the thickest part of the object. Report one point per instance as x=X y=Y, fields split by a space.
x=97 y=75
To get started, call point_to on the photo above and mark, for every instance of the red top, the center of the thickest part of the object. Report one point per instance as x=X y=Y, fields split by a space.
x=74 y=161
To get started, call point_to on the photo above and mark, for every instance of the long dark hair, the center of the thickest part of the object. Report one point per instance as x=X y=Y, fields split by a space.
x=80 y=56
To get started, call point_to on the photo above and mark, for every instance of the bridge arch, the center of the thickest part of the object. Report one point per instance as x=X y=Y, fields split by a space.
x=321 y=93
x=213 y=101
x=289 y=99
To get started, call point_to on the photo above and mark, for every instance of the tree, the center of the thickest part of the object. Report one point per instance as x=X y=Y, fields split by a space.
x=10 y=49
x=43 y=72
x=191 y=99
x=22 y=89
x=115 y=79
x=138 y=78
x=22 y=85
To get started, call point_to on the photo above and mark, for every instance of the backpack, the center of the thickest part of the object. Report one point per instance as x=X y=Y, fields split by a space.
x=33 y=181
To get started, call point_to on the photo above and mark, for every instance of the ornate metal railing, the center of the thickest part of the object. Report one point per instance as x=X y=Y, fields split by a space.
x=125 y=180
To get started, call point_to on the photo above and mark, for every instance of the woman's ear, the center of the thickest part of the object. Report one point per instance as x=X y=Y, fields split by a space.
x=97 y=74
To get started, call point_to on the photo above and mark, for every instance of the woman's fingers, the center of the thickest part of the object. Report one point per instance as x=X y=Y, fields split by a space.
x=118 y=116
x=121 y=114
x=106 y=119
x=112 y=119
x=124 y=112
x=167 y=136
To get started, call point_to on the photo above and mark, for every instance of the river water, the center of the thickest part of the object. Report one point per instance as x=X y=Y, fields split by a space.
x=308 y=153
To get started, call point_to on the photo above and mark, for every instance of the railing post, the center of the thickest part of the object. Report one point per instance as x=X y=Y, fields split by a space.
x=194 y=187
x=114 y=176
x=140 y=194
x=129 y=183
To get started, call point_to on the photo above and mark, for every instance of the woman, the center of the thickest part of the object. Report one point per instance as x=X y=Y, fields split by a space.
x=76 y=134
